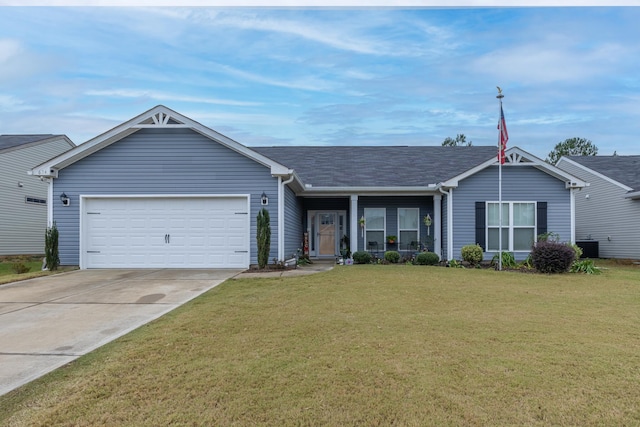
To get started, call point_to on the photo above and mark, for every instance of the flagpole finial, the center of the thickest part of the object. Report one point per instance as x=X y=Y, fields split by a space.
x=500 y=95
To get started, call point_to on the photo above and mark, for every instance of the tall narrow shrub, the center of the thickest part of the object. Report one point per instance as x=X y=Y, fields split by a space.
x=51 y=255
x=263 y=237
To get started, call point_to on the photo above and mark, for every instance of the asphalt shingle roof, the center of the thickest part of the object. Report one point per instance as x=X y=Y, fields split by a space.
x=376 y=166
x=11 y=141
x=624 y=169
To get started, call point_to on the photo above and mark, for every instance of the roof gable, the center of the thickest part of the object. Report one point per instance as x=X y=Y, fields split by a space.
x=622 y=170
x=157 y=117
x=515 y=157
x=15 y=142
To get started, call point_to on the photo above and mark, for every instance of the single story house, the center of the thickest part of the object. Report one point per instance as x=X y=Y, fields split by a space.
x=608 y=211
x=162 y=190
x=23 y=215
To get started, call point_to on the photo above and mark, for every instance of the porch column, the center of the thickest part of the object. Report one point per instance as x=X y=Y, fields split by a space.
x=353 y=221
x=437 y=222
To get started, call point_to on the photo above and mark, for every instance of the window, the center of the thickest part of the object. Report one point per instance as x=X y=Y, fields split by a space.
x=374 y=228
x=518 y=226
x=35 y=201
x=408 y=227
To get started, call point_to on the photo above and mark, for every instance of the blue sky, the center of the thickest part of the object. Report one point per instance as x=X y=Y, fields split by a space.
x=325 y=76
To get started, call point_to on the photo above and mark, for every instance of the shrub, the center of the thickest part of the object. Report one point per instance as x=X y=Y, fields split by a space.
x=455 y=264
x=472 y=254
x=51 y=254
x=578 y=250
x=427 y=258
x=362 y=257
x=19 y=267
x=392 y=257
x=508 y=260
x=585 y=266
x=552 y=257
x=263 y=236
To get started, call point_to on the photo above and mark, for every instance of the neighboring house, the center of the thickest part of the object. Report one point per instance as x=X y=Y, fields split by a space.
x=162 y=190
x=608 y=211
x=23 y=212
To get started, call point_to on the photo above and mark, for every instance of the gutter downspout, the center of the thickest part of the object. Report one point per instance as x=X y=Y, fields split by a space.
x=449 y=195
x=281 y=187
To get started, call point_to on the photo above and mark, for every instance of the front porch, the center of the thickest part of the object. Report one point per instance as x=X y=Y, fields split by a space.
x=336 y=226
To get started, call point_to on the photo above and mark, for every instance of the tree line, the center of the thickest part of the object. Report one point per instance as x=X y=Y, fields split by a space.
x=569 y=147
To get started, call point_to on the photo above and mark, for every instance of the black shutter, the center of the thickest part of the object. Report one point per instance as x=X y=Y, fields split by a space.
x=481 y=224
x=542 y=218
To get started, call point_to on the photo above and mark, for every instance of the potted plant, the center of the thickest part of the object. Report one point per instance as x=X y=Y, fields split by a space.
x=391 y=239
x=345 y=251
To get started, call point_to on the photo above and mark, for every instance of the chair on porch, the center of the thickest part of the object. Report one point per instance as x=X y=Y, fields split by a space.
x=413 y=246
x=371 y=246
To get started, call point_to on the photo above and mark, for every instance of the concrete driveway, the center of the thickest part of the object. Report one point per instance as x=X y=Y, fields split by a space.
x=50 y=321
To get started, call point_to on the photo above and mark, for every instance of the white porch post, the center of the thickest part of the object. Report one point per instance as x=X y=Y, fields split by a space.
x=437 y=224
x=572 y=193
x=450 y=224
x=280 y=220
x=49 y=182
x=353 y=239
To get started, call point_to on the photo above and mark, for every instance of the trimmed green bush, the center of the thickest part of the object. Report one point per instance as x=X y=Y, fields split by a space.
x=263 y=236
x=362 y=257
x=427 y=258
x=51 y=254
x=552 y=257
x=472 y=254
x=392 y=256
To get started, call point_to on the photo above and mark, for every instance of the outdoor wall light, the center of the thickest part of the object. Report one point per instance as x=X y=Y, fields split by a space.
x=66 y=201
x=264 y=200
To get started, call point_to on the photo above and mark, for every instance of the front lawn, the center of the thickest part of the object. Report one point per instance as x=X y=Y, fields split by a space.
x=33 y=263
x=366 y=345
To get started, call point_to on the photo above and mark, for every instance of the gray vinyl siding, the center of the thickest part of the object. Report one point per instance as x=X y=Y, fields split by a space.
x=606 y=216
x=22 y=225
x=391 y=204
x=293 y=223
x=519 y=184
x=162 y=161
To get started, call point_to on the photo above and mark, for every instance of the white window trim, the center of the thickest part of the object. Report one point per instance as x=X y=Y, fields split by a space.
x=384 y=230
x=511 y=226
x=417 y=230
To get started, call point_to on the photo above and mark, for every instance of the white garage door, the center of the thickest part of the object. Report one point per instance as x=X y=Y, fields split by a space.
x=166 y=232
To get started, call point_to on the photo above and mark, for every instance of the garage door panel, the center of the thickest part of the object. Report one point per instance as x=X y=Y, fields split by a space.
x=166 y=232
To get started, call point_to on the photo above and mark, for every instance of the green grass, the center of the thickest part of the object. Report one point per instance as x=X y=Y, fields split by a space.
x=7 y=274
x=366 y=345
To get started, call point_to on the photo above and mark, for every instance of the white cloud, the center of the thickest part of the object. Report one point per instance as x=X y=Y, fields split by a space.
x=11 y=104
x=161 y=96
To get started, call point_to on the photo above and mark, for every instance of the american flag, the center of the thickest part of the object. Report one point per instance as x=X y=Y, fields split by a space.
x=504 y=137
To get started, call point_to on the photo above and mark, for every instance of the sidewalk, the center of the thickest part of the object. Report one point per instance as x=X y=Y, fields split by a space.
x=302 y=270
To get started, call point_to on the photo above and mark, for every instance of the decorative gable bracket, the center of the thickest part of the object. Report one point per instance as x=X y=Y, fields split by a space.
x=160 y=120
x=515 y=158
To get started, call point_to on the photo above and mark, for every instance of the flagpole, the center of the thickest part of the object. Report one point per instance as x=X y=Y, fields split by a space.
x=500 y=151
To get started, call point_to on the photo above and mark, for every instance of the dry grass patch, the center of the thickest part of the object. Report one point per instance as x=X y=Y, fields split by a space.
x=366 y=345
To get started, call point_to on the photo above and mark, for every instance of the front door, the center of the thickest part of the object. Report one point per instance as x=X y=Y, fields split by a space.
x=326 y=234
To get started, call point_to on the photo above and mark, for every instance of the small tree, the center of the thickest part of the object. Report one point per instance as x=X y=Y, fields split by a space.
x=263 y=237
x=52 y=258
x=572 y=147
x=460 y=141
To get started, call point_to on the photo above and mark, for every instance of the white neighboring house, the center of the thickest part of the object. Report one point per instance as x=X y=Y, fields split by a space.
x=23 y=212
x=608 y=211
